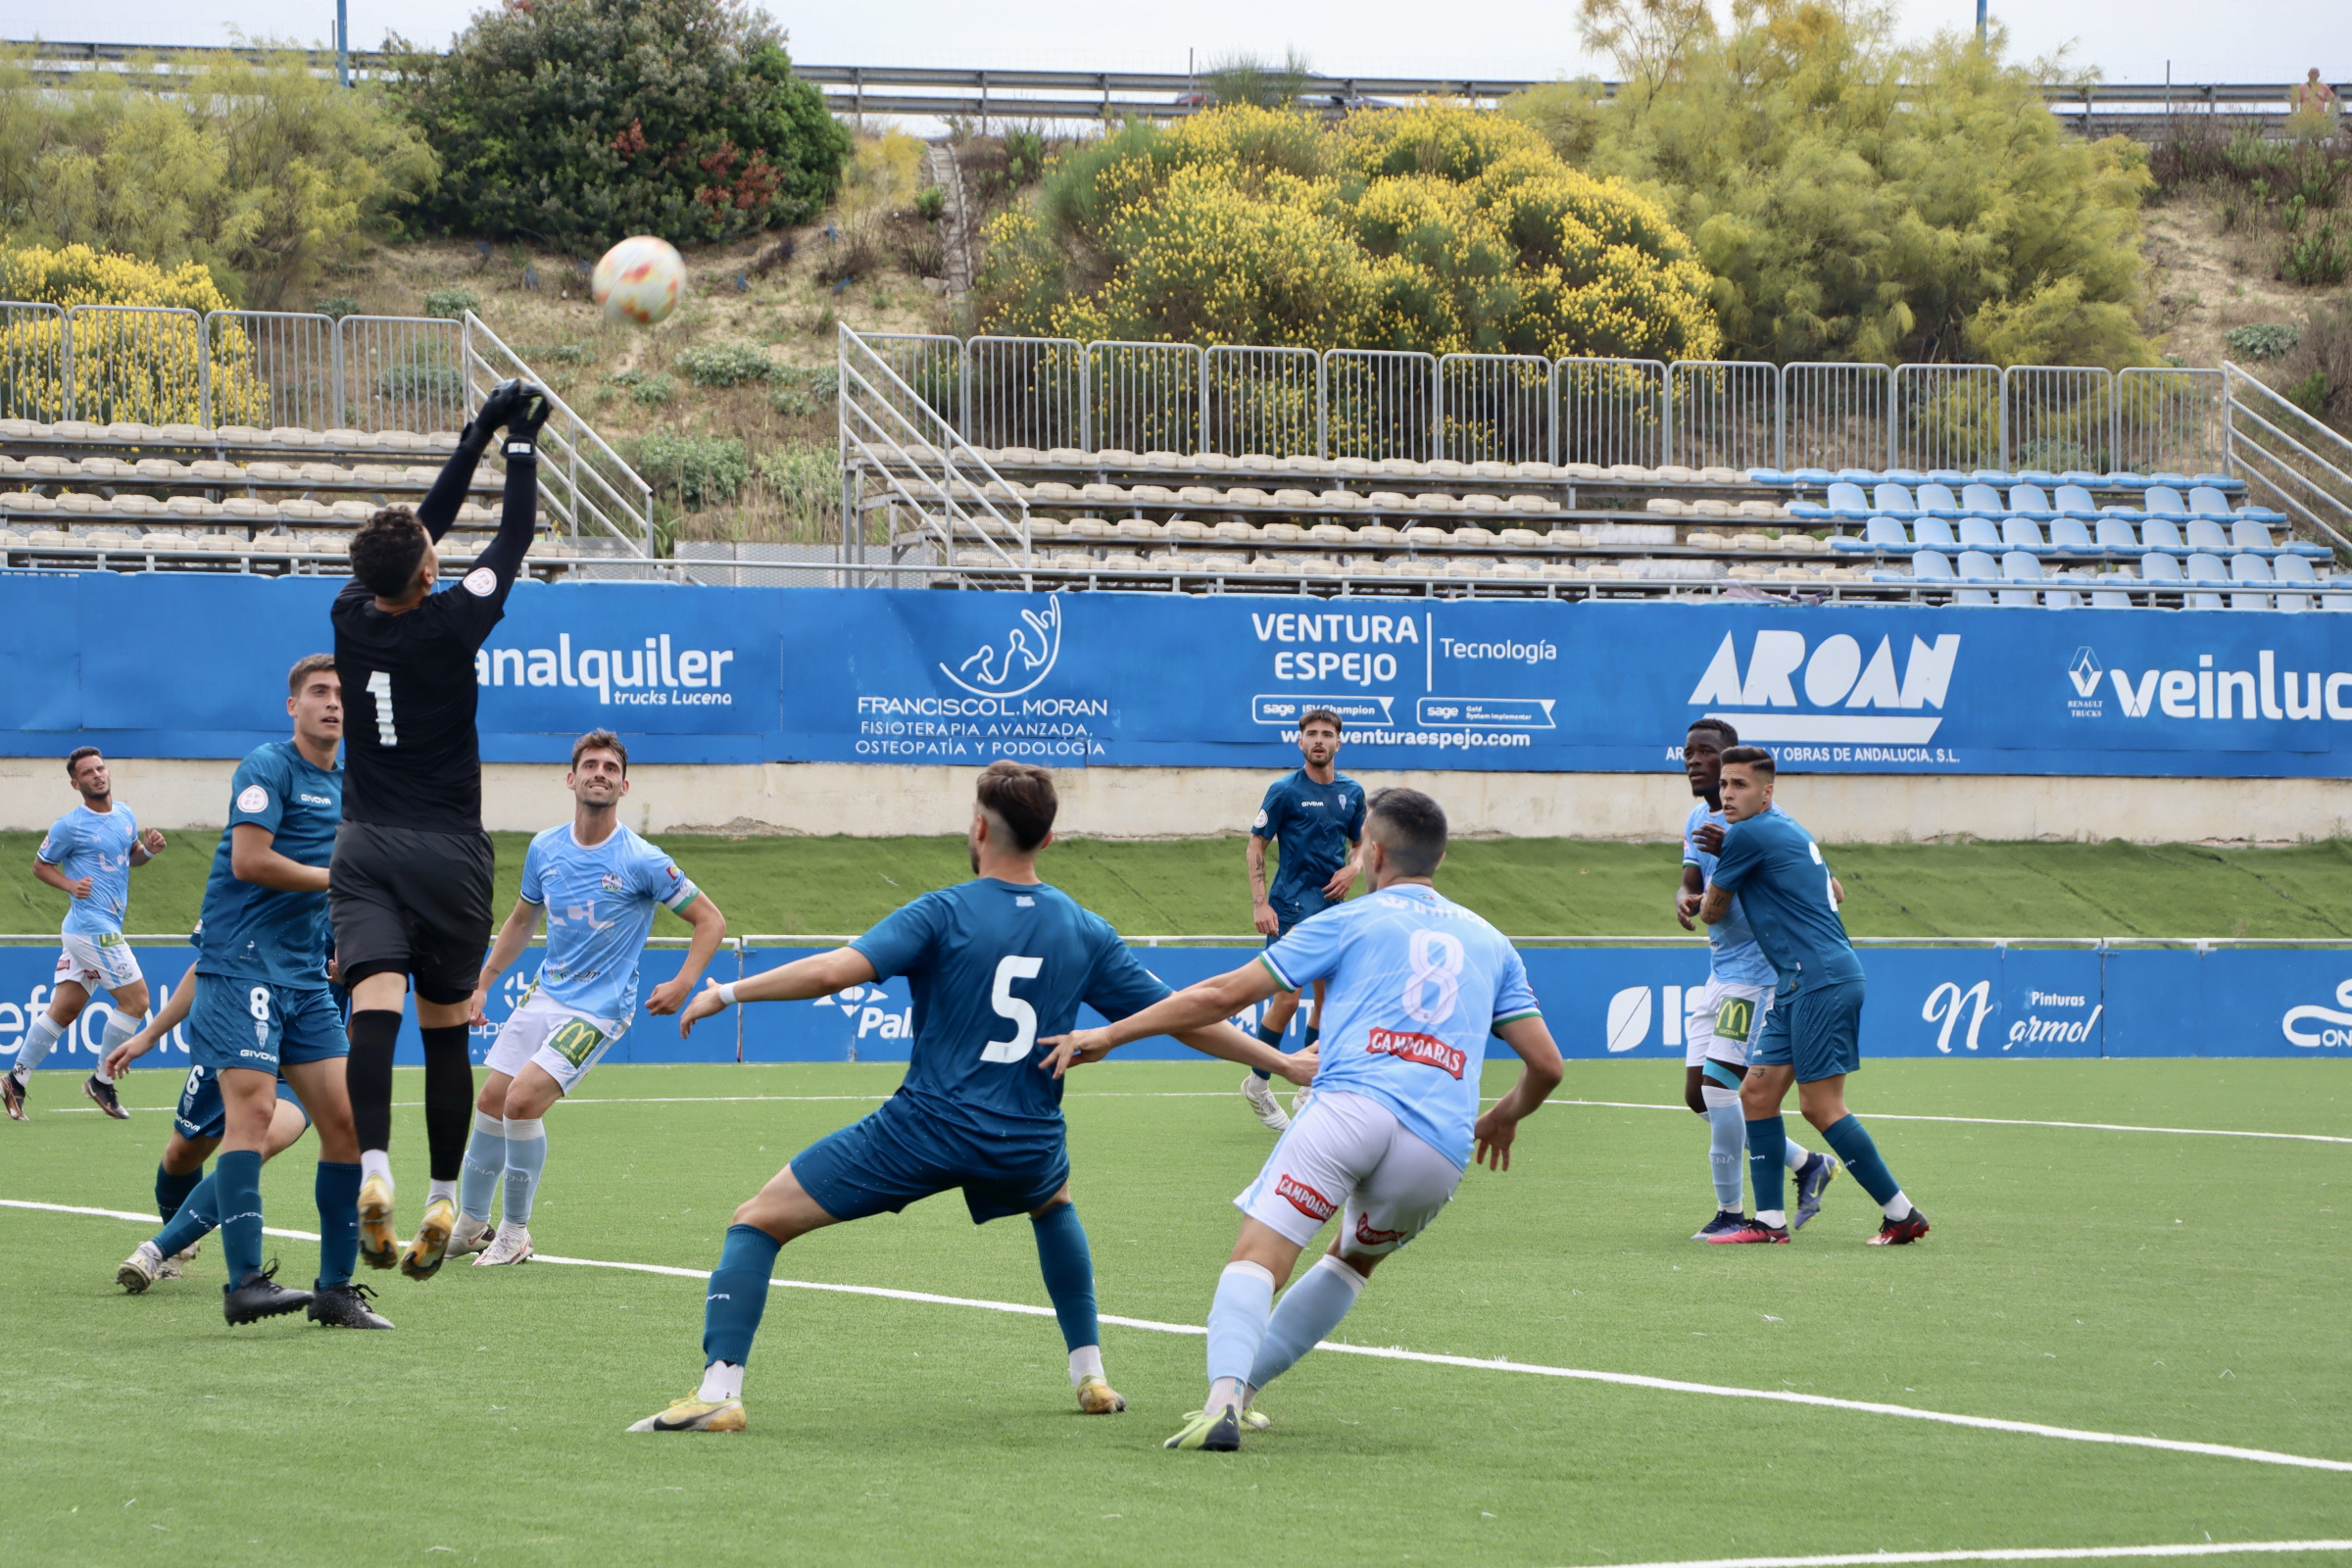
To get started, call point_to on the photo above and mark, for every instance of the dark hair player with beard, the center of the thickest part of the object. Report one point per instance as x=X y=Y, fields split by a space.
x=410 y=885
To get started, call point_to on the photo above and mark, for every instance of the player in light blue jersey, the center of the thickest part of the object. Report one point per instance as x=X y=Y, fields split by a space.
x=1721 y=1018
x=1813 y=1036
x=995 y=964
x=89 y=856
x=1416 y=984
x=598 y=884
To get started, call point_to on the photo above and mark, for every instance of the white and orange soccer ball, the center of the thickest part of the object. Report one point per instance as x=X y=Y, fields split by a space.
x=640 y=280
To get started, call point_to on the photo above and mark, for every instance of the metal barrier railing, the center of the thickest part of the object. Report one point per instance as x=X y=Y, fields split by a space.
x=2282 y=452
x=1142 y=397
x=2176 y=421
x=143 y=363
x=1495 y=408
x=1379 y=402
x=1836 y=417
x=286 y=370
x=1610 y=412
x=35 y=364
x=923 y=465
x=2057 y=418
x=400 y=372
x=1263 y=399
x=1946 y=416
x=1023 y=392
x=1723 y=414
x=582 y=482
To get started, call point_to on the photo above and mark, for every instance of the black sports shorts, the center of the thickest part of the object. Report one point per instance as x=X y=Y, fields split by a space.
x=406 y=901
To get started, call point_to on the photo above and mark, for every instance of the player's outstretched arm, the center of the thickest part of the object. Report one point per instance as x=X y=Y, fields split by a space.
x=1194 y=1008
x=1228 y=1044
x=1540 y=1075
x=710 y=930
x=803 y=980
x=439 y=508
x=172 y=1013
x=252 y=858
x=513 y=938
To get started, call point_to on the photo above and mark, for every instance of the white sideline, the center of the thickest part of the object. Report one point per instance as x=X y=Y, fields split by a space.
x=1999 y=1121
x=2199 y=1548
x=1631 y=1380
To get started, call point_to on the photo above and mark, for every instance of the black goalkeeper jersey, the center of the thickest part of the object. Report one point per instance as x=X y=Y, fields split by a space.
x=411 y=757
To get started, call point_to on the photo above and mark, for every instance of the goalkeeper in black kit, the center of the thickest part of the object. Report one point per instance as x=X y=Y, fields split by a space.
x=409 y=888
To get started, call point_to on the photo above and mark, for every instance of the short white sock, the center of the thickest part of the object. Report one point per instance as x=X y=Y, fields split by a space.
x=1899 y=1207
x=721 y=1379
x=375 y=1164
x=1086 y=1361
x=1776 y=1218
x=439 y=1189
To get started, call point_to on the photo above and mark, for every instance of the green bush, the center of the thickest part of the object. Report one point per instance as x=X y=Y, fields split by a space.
x=582 y=121
x=2264 y=340
x=805 y=480
x=650 y=391
x=724 y=364
x=930 y=204
x=695 y=471
x=1856 y=199
x=2315 y=259
x=802 y=390
x=339 y=307
x=450 y=303
x=261 y=171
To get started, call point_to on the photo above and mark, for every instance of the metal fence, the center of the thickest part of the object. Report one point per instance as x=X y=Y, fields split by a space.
x=1374 y=404
x=584 y=485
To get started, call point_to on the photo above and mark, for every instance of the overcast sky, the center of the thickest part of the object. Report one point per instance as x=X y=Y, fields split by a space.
x=2205 y=40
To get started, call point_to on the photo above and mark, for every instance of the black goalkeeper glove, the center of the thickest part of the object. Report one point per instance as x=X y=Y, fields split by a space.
x=533 y=405
x=497 y=409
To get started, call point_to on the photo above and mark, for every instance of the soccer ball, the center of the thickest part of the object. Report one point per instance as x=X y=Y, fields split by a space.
x=639 y=281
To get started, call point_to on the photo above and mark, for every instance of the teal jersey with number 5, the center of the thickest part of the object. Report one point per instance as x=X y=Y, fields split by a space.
x=1784 y=887
x=995 y=967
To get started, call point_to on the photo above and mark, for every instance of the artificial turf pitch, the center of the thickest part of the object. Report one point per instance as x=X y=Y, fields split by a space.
x=2141 y=1283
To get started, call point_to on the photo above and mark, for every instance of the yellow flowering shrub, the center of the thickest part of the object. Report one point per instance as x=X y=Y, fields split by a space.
x=127 y=366
x=1431 y=229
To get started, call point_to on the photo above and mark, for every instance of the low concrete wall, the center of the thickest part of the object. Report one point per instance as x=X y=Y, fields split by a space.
x=862 y=801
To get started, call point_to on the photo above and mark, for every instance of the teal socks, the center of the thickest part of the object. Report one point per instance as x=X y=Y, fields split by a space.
x=738 y=1294
x=1069 y=1265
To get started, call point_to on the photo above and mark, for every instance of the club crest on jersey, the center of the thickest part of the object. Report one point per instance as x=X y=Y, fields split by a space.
x=1304 y=1198
x=1423 y=1050
x=612 y=884
x=253 y=797
x=481 y=583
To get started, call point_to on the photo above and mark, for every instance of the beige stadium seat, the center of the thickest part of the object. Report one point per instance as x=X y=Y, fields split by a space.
x=10 y=536
x=468 y=511
x=302 y=508
x=108 y=539
x=1764 y=511
x=442 y=441
x=419 y=475
x=1052 y=490
x=963 y=557
x=1482 y=504
x=1447 y=469
x=1258 y=463
x=78 y=430
x=362 y=511
x=1665 y=507
x=1488 y=469
x=1390 y=501
x=1720 y=475
x=52 y=538
x=1137 y=528
x=1351 y=466
x=1675 y=473
x=1403 y=467
x=1427 y=536
x=1283 y=534
x=193 y=506
x=1804 y=543
x=1606 y=573
x=1579 y=472
x=103 y=468
x=1088 y=528
x=1522 y=538
x=48 y=466
x=375 y=474
x=278 y=544
x=1070 y=560
x=182 y=434
x=324 y=472
x=1103 y=494
x=249 y=507
x=349 y=438
x=1703 y=540
x=1041 y=528
x=293 y=435
x=1115 y=457
x=1512 y=568
x=160 y=468
x=1215 y=463
x=21 y=429
x=1434 y=500
x=1188 y=528
x=1153 y=495
x=1533 y=504
x=240 y=435
x=132 y=431
x=274 y=472
x=1196 y=495
x=1164 y=459
x=216 y=469
x=1711 y=508
x=76 y=501
x=1299 y=500
x=1217 y=563
x=219 y=542
x=1334 y=533
x=1122 y=560
x=1065 y=456
x=1235 y=529
x=1340 y=501
x=1539 y=472
x=25 y=501
x=1016 y=457
x=1247 y=496
x=1793 y=574
x=1561 y=571
x=1631 y=472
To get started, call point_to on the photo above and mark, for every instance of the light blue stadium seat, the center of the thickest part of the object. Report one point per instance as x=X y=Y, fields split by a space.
x=2251 y=535
x=1979 y=534
x=1938 y=500
x=1982 y=498
x=2162 y=533
x=1879 y=535
x=1846 y=502
x=2115 y=534
x=2024 y=533
x=2126 y=479
x=2037 y=476
x=1946 y=476
x=2128 y=514
x=1771 y=476
x=2031 y=500
x=1931 y=567
x=2202 y=568
x=2203 y=533
x=1999 y=477
x=2253 y=571
x=2174 y=481
x=1934 y=533
x=2073 y=501
x=1894 y=501
x=2072 y=536
x=2161 y=572
x=1904 y=477
x=2115 y=598
x=1816 y=478
x=2259 y=515
x=1859 y=475
x=2220 y=482
x=2082 y=477
x=2294 y=570
x=1978 y=566
x=2163 y=501
x=2204 y=501
x=2019 y=566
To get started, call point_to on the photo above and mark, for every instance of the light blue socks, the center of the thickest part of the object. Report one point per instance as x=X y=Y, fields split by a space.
x=1727 y=1146
x=1236 y=1326
x=1310 y=1310
x=526 y=1158
x=485 y=1160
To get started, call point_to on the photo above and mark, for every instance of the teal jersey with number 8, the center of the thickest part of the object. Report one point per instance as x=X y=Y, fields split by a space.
x=1784 y=887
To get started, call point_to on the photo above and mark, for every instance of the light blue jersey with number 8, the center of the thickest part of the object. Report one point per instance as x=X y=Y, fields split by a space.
x=1416 y=984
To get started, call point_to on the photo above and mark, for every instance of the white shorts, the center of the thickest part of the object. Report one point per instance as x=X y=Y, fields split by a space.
x=567 y=1045
x=97 y=964
x=1721 y=1021
x=1350 y=1151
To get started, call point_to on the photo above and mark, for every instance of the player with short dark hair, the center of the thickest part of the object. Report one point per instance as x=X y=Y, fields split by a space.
x=1417 y=984
x=598 y=885
x=1316 y=815
x=1002 y=956
x=88 y=854
x=411 y=889
x=1721 y=1018
x=1813 y=1035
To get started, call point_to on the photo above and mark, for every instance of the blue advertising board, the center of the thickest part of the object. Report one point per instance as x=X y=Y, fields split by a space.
x=1964 y=1003
x=166 y=664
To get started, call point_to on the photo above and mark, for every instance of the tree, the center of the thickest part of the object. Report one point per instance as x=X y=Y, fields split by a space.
x=582 y=121
x=1856 y=200
x=1430 y=229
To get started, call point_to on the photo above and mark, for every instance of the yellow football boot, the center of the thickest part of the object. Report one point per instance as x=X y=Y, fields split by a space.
x=423 y=1258
x=380 y=1243
x=1097 y=1398
x=695 y=1413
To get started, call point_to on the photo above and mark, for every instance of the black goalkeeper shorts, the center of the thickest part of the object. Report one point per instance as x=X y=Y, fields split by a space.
x=408 y=901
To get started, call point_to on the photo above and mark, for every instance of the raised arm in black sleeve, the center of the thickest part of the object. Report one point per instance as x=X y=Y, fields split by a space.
x=439 y=509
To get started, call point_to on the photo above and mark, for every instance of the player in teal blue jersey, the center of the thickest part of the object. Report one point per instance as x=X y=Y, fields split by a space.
x=89 y=856
x=264 y=1008
x=1417 y=985
x=993 y=964
x=1316 y=817
x=1721 y=1018
x=598 y=885
x=1813 y=1035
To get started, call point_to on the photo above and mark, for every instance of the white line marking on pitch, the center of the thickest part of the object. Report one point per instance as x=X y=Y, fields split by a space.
x=1996 y=1121
x=2200 y=1548
x=1630 y=1380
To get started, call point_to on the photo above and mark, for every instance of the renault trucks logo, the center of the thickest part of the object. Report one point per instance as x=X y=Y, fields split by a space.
x=2085 y=671
x=1016 y=662
x=2336 y=1027
x=1832 y=692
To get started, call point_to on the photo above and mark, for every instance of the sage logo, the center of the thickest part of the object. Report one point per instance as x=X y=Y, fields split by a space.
x=1016 y=662
x=1841 y=684
x=2335 y=1026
